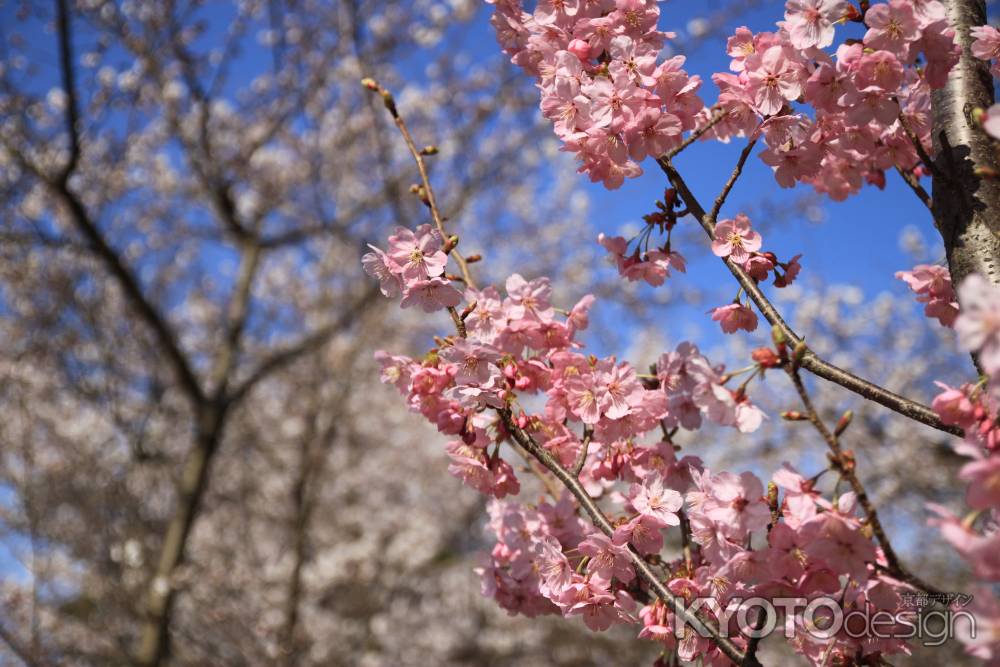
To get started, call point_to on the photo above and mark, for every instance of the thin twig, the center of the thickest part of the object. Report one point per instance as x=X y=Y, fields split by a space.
x=810 y=361
x=431 y=201
x=733 y=177
x=845 y=467
x=694 y=136
x=581 y=458
x=911 y=180
x=703 y=627
x=919 y=146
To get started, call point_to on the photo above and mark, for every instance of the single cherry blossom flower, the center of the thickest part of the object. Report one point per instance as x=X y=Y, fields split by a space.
x=891 y=26
x=607 y=559
x=378 y=265
x=735 y=316
x=417 y=253
x=810 y=22
x=431 y=295
x=654 y=499
x=736 y=239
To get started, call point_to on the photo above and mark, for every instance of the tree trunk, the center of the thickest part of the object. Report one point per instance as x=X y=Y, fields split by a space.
x=966 y=206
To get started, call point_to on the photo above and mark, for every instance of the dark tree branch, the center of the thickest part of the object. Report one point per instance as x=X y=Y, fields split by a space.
x=294 y=352
x=19 y=650
x=911 y=180
x=811 y=361
x=68 y=72
x=81 y=219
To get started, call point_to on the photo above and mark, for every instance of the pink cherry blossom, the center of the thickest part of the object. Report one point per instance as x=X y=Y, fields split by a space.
x=839 y=542
x=773 y=79
x=932 y=284
x=529 y=299
x=475 y=363
x=642 y=532
x=981 y=551
x=620 y=390
x=378 y=265
x=607 y=559
x=792 y=268
x=954 y=407
x=418 y=254
x=430 y=295
x=735 y=316
x=735 y=502
x=891 y=26
x=986 y=42
x=991 y=122
x=978 y=323
x=983 y=476
x=735 y=239
x=654 y=499
x=810 y=22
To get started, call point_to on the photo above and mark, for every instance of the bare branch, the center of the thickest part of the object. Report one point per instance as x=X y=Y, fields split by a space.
x=18 y=649
x=68 y=72
x=733 y=177
x=581 y=458
x=418 y=157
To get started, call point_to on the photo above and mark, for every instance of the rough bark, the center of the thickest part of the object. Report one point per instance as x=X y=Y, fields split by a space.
x=966 y=205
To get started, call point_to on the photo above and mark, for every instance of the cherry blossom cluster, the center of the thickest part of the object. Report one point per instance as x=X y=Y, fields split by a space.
x=649 y=261
x=738 y=241
x=414 y=267
x=641 y=259
x=932 y=285
x=869 y=99
x=863 y=106
x=609 y=99
x=516 y=353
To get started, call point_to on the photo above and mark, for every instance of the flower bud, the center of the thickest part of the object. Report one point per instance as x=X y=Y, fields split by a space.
x=429 y=150
x=580 y=49
x=766 y=357
x=843 y=422
x=793 y=416
x=799 y=353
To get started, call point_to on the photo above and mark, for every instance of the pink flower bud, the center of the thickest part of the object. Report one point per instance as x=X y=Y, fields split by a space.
x=580 y=49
